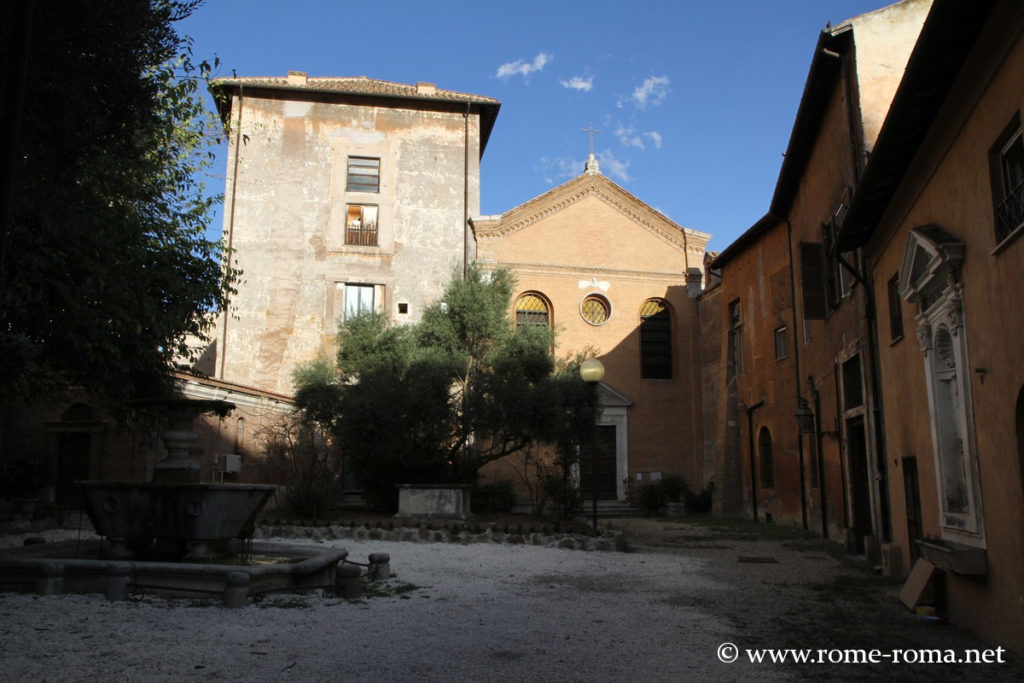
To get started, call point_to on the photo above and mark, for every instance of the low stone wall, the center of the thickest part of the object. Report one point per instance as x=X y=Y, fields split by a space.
x=462 y=534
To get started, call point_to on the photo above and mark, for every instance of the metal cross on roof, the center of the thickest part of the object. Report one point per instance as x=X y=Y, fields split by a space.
x=591 y=131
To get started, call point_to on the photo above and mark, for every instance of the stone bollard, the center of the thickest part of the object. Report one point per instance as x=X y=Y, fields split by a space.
x=380 y=567
x=236 y=589
x=117 y=582
x=52 y=580
x=347 y=581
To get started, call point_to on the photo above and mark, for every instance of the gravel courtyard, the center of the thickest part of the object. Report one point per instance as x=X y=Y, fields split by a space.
x=510 y=613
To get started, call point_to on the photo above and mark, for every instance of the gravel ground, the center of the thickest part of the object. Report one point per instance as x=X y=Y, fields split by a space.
x=487 y=612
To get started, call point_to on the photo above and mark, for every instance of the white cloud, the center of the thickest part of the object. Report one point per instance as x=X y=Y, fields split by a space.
x=612 y=167
x=652 y=91
x=522 y=68
x=655 y=137
x=628 y=137
x=579 y=83
x=560 y=170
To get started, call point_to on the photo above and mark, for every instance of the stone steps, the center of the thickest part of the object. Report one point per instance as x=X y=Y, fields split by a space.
x=607 y=509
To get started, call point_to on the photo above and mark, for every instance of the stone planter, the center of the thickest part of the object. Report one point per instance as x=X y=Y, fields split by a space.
x=433 y=501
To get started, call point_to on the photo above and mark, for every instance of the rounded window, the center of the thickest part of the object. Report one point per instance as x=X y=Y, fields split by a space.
x=532 y=309
x=595 y=309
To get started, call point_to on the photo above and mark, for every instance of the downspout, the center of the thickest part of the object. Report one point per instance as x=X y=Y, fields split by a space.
x=231 y=231
x=842 y=461
x=796 y=360
x=870 y=317
x=753 y=455
x=465 y=193
x=820 y=457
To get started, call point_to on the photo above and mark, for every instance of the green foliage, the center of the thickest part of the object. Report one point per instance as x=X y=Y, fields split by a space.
x=651 y=497
x=497 y=496
x=675 y=488
x=105 y=270
x=433 y=402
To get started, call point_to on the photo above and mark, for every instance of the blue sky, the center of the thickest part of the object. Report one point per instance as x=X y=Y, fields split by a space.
x=695 y=100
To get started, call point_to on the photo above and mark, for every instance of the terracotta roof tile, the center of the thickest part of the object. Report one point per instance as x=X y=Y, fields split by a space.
x=360 y=85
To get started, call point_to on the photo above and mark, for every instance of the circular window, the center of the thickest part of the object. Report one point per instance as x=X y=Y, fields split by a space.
x=595 y=309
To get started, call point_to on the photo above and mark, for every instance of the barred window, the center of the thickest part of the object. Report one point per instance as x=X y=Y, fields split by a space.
x=655 y=340
x=361 y=225
x=595 y=309
x=532 y=309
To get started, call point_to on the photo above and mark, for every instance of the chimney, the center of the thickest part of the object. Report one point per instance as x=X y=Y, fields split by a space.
x=423 y=88
x=297 y=78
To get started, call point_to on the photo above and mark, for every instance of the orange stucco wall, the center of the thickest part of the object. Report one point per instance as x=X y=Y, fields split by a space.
x=950 y=186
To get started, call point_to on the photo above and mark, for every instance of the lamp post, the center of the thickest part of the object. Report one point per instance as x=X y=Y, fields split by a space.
x=592 y=372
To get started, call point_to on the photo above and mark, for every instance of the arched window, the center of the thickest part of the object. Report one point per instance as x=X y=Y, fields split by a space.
x=239 y=434
x=532 y=309
x=655 y=340
x=764 y=441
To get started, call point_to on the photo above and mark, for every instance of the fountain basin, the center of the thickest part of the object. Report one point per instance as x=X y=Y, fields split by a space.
x=172 y=521
x=83 y=567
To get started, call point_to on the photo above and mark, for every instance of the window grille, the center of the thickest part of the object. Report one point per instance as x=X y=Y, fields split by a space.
x=531 y=309
x=655 y=340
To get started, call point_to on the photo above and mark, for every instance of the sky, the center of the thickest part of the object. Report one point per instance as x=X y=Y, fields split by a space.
x=695 y=100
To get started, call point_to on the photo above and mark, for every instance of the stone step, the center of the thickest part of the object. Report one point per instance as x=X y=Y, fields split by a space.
x=613 y=508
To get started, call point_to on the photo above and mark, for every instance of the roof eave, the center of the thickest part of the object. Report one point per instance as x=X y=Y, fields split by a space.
x=947 y=37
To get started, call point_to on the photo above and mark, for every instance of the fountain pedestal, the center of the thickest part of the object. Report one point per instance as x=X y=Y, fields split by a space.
x=174 y=517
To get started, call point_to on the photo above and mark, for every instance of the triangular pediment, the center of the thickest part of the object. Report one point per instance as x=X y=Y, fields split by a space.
x=608 y=397
x=932 y=258
x=581 y=188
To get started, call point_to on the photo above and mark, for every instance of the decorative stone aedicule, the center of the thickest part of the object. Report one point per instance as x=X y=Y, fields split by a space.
x=930 y=277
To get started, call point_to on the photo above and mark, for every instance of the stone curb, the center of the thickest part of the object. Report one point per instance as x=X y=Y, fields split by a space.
x=609 y=541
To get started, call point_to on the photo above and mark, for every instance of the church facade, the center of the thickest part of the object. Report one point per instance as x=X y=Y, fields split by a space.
x=617 y=279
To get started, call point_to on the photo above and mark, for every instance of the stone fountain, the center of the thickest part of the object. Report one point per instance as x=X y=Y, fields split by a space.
x=174 y=517
x=170 y=535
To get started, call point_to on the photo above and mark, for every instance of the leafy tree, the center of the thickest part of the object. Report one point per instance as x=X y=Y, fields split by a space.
x=433 y=402
x=105 y=270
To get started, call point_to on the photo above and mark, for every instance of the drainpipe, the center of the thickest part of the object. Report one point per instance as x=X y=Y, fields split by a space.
x=231 y=231
x=842 y=460
x=753 y=456
x=821 y=460
x=465 y=193
x=796 y=360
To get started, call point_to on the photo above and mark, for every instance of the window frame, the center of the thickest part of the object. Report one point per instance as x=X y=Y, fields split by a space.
x=525 y=321
x=781 y=350
x=361 y=287
x=605 y=304
x=734 y=358
x=896 y=327
x=362 y=236
x=656 y=341
x=1010 y=140
x=354 y=181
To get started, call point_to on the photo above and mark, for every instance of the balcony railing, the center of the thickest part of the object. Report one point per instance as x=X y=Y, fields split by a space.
x=1010 y=214
x=359 y=236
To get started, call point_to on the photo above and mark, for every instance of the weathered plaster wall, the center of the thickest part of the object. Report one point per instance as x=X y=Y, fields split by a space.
x=286 y=212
